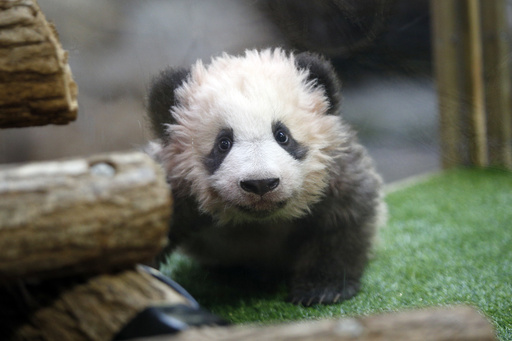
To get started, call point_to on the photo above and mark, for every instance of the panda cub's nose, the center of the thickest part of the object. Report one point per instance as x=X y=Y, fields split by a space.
x=261 y=186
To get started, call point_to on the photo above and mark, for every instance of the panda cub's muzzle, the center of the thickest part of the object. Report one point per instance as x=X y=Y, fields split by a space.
x=255 y=170
x=260 y=193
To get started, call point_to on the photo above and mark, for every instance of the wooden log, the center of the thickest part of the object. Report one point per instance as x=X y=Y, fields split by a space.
x=82 y=215
x=93 y=309
x=36 y=85
x=471 y=54
x=498 y=78
x=447 y=44
x=478 y=121
x=459 y=323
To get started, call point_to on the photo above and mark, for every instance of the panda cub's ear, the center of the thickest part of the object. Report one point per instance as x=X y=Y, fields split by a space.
x=322 y=72
x=161 y=98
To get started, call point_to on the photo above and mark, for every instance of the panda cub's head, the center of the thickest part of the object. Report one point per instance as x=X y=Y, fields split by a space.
x=249 y=137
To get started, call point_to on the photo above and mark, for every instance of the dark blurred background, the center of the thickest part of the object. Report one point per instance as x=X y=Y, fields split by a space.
x=380 y=48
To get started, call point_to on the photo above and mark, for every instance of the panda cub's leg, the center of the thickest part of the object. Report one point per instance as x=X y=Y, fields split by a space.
x=329 y=267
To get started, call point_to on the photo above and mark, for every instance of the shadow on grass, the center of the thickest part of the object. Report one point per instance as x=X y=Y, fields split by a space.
x=233 y=287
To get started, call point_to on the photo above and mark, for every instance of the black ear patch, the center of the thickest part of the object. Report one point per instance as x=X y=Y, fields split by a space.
x=161 y=98
x=322 y=72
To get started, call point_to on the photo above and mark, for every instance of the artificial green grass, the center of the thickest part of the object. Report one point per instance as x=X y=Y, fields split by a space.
x=448 y=241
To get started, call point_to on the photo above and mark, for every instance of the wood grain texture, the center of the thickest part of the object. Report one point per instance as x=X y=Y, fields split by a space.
x=96 y=308
x=36 y=85
x=82 y=215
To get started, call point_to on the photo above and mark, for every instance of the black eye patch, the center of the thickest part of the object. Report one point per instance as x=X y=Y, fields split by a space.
x=219 y=151
x=285 y=139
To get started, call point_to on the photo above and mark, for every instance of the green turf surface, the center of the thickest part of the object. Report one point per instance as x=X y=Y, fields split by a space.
x=448 y=241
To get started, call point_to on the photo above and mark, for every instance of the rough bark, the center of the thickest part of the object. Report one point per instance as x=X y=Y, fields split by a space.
x=36 y=85
x=81 y=216
x=79 y=310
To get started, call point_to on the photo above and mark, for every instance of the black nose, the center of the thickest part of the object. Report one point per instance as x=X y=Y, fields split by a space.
x=259 y=187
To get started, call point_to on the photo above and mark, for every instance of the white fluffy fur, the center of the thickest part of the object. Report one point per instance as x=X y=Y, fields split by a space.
x=248 y=93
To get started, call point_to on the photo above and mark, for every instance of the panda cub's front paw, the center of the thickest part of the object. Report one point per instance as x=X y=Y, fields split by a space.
x=323 y=294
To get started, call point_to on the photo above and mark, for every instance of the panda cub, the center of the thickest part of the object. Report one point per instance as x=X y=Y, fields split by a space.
x=265 y=174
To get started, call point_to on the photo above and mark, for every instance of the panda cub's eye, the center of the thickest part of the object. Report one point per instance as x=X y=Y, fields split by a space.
x=281 y=137
x=224 y=144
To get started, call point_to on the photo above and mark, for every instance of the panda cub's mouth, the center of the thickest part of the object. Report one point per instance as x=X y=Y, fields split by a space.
x=262 y=208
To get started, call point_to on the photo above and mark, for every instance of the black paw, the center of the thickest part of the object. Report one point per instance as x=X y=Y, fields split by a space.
x=322 y=294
